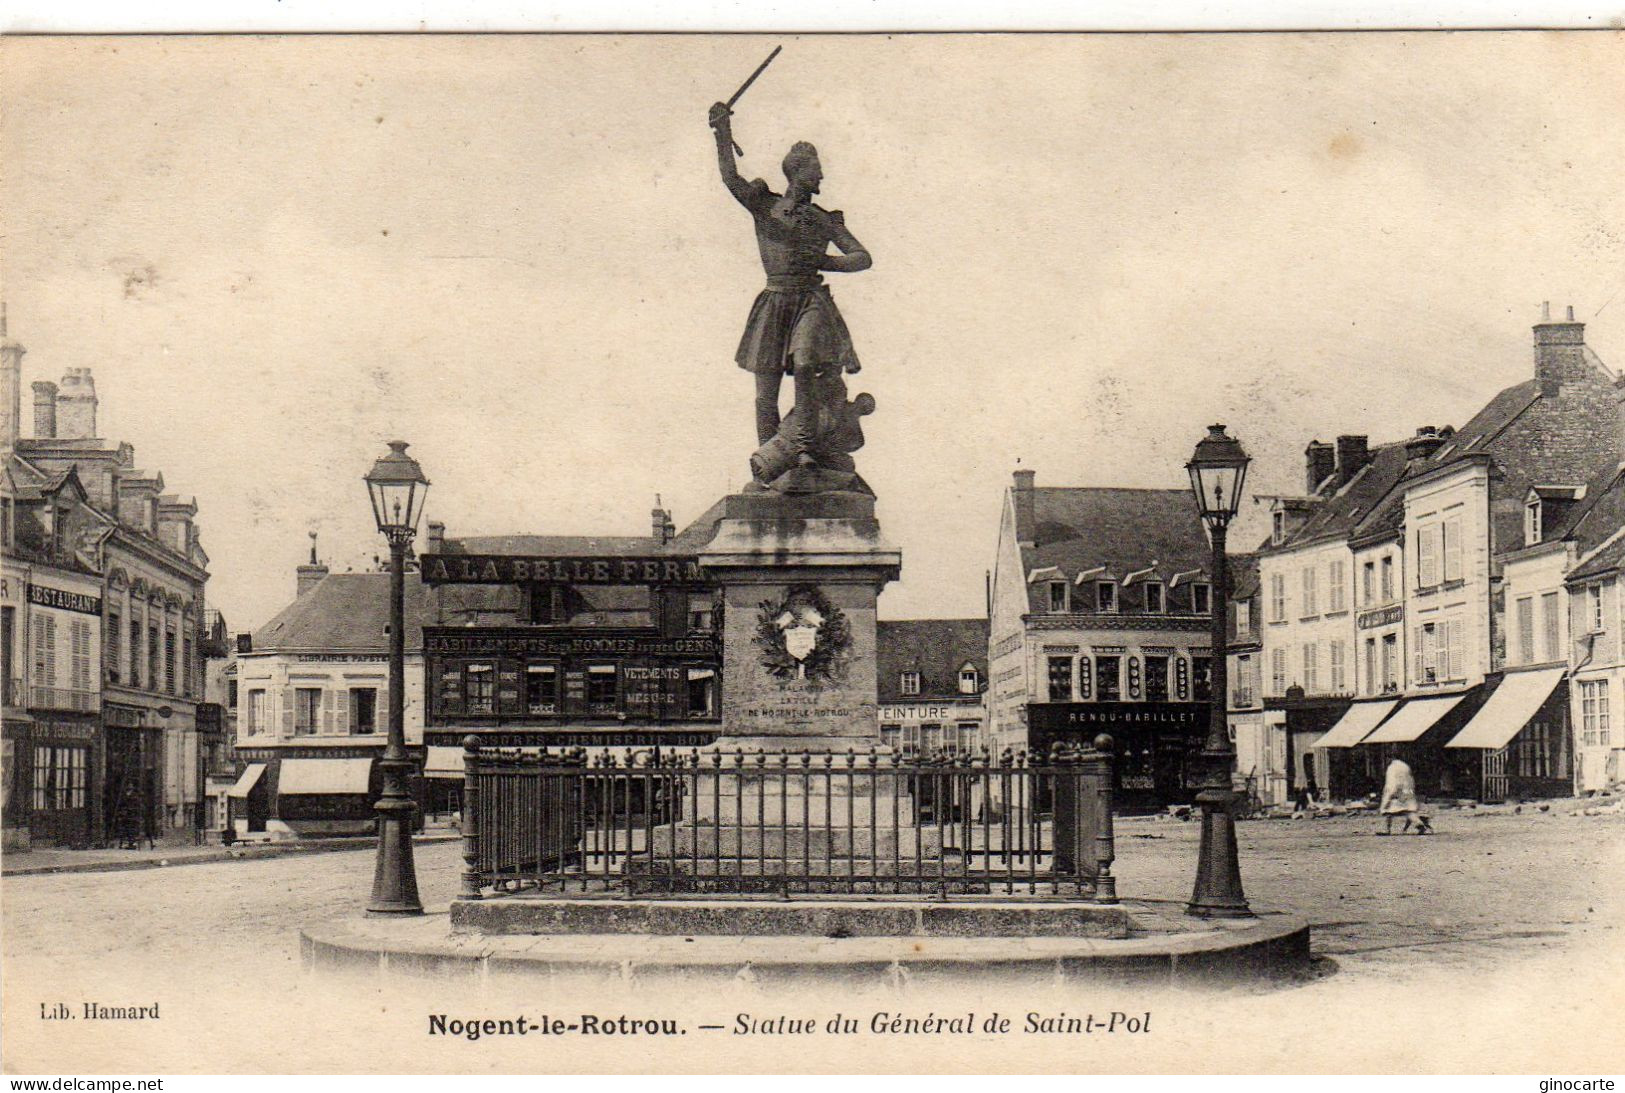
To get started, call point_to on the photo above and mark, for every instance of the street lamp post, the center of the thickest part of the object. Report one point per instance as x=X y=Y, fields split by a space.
x=1218 y=469
x=397 y=488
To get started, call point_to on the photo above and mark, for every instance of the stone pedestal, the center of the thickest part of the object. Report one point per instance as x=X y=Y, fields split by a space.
x=800 y=574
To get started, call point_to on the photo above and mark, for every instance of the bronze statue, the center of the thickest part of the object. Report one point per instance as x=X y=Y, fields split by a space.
x=794 y=326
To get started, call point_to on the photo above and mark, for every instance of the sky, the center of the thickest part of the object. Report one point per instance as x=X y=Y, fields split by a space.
x=514 y=252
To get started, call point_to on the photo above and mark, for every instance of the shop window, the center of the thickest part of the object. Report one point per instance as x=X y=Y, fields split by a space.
x=701 y=614
x=930 y=738
x=1156 y=679
x=911 y=738
x=891 y=736
x=59 y=778
x=1060 y=679
x=1109 y=678
x=970 y=680
x=1201 y=678
x=307 y=709
x=480 y=688
x=541 y=688
x=363 y=710
x=702 y=692
x=908 y=683
x=969 y=731
x=1594 y=728
x=602 y=688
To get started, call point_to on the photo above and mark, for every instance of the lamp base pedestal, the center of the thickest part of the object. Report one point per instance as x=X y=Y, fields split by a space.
x=394 y=880
x=1218 y=892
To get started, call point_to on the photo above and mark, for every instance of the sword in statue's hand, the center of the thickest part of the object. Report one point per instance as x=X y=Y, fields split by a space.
x=719 y=118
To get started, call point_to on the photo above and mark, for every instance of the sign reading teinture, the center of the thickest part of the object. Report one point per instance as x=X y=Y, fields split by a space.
x=45 y=596
x=526 y=569
x=925 y=712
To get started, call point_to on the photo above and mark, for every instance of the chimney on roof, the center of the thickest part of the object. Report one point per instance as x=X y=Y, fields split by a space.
x=245 y=643
x=1022 y=492
x=1353 y=452
x=1559 y=352
x=1319 y=462
x=437 y=537
x=311 y=573
x=11 y=386
x=660 y=525
x=44 y=410
x=1426 y=441
x=76 y=405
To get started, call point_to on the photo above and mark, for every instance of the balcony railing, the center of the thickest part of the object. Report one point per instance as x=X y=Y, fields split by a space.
x=734 y=824
x=80 y=699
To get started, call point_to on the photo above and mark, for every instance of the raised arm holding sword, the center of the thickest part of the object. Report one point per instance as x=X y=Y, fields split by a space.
x=794 y=327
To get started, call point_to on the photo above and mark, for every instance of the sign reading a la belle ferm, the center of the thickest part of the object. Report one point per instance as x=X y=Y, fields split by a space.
x=524 y=569
x=45 y=596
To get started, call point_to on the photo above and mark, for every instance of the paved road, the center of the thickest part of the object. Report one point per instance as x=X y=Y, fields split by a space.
x=1530 y=903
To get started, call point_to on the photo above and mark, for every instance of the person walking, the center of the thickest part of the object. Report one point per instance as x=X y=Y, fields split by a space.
x=1399 y=799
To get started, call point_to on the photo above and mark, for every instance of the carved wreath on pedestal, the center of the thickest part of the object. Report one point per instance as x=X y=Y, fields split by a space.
x=803 y=637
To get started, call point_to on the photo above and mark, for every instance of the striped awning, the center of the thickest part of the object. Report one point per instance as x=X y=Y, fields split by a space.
x=443 y=762
x=1413 y=719
x=1356 y=724
x=323 y=776
x=1508 y=710
x=246 y=780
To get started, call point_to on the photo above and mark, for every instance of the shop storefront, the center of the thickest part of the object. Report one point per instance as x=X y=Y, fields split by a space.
x=62 y=768
x=132 y=793
x=1157 y=745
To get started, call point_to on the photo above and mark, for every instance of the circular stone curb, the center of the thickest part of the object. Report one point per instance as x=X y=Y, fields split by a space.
x=1272 y=948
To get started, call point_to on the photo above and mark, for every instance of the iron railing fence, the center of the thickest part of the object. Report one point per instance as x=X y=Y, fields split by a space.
x=81 y=699
x=726 y=822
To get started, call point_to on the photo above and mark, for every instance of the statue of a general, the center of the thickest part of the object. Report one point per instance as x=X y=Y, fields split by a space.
x=794 y=327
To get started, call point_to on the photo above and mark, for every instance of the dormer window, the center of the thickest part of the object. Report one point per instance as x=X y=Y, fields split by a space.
x=1153 y=597
x=1531 y=522
x=908 y=683
x=1057 y=597
x=970 y=680
x=1244 y=617
x=1106 y=596
x=1202 y=599
x=1278 y=528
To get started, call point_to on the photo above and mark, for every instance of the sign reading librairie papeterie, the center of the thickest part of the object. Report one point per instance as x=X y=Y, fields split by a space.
x=527 y=569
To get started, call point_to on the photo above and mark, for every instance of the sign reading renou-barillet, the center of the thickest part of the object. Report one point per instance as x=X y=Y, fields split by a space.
x=524 y=569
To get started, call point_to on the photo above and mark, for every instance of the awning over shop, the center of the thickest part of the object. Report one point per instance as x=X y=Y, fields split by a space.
x=443 y=762
x=323 y=776
x=1357 y=721
x=245 y=782
x=1508 y=710
x=1412 y=720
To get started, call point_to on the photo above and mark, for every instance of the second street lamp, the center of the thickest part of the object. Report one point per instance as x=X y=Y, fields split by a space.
x=1218 y=470
x=397 y=488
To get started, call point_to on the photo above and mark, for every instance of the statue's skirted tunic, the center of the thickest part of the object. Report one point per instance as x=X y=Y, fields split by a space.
x=794 y=326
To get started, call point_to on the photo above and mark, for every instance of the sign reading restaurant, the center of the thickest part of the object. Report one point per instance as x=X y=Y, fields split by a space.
x=44 y=596
x=522 y=569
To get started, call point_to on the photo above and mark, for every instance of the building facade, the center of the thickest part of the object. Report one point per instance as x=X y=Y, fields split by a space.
x=931 y=675
x=1437 y=540
x=1100 y=623
x=145 y=546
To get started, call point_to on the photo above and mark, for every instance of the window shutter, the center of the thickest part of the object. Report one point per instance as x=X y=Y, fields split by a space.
x=328 y=695
x=287 y=711
x=1458 y=652
x=341 y=711
x=1418 y=664
x=1452 y=549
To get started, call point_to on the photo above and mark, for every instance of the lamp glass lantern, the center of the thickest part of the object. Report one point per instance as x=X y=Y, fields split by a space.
x=1218 y=471
x=398 y=489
